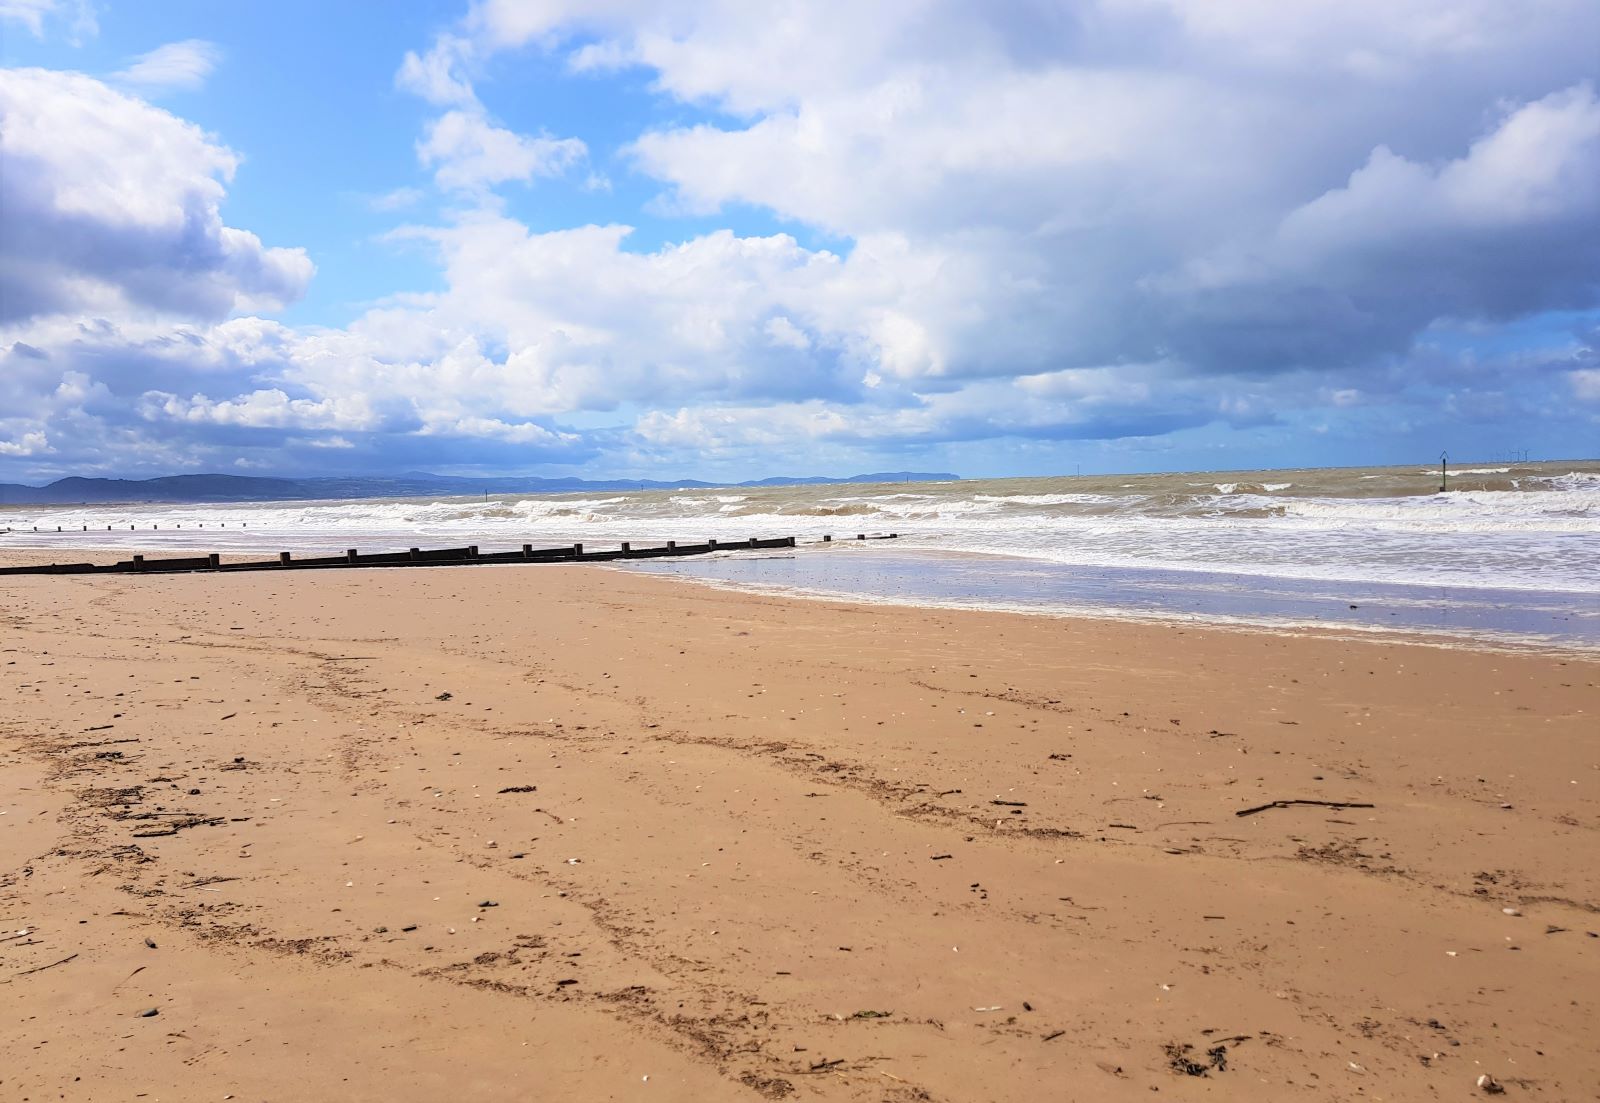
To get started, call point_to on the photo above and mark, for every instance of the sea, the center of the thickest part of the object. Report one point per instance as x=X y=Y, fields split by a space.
x=1507 y=554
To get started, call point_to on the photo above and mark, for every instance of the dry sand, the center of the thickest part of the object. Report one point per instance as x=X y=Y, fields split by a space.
x=565 y=832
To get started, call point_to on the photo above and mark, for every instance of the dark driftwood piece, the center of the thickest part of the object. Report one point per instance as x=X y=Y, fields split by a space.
x=42 y=968
x=1317 y=803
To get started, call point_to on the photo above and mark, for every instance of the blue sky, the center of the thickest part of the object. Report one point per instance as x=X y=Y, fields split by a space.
x=728 y=240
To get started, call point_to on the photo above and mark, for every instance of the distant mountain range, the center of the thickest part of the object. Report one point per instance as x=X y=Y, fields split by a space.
x=248 y=488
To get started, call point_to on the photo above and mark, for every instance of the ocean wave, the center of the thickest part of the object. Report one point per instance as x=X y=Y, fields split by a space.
x=1052 y=499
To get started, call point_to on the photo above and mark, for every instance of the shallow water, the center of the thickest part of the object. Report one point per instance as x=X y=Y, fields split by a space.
x=874 y=572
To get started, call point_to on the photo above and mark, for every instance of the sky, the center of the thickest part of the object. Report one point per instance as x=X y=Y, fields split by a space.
x=618 y=238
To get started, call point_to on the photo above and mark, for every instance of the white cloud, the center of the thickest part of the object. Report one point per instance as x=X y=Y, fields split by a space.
x=78 y=16
x=262 y=409
x=435 y=75
x=471 y=153
x=784 y=333
x=113 y=205
x=29 y=444
x=184 y=65
x=397 y=200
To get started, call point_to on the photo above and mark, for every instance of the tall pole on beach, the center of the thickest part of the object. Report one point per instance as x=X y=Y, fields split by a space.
x=1444 y=470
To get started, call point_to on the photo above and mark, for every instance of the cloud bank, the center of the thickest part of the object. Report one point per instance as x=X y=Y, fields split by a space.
x=1121 y=223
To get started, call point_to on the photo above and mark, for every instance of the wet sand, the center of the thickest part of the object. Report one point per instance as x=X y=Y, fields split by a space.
x=572 y=832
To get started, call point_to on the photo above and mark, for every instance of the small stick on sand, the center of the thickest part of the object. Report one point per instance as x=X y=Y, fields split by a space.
x=42 y=968
x=1318 y=803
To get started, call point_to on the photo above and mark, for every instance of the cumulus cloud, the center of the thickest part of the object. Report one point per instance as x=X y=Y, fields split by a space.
x=112 y=205
x=435 y=75
x=184 y=65
x=470 y=153
x=1107 y=220
x=28 y=444
x=272 y=409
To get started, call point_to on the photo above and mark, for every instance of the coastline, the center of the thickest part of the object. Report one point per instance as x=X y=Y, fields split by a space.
x=784 y=814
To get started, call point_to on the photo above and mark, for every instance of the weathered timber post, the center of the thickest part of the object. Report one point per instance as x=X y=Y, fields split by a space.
x=215 y=560
x=712 y=544
x=283 y=559
x=827 y=539
x=577 y=551
x=138 y=562
x=672 y=545
x=626 y=547
x=415 y=554
x=527 y=551
x=472 y=552
x=350 y=555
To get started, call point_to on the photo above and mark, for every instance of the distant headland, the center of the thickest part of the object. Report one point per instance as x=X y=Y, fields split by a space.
x=250 y=488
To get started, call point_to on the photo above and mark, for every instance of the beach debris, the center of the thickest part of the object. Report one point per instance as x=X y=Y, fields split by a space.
x=1510 y=911
x=1290 y=803
x=565 y=983
x=1053 y=1035
x=872 y=1014
x=150 y=942
x=42 y=968
x=230 y=716
x=149 y=1012
x=489 y=904
x=411 y=927
x=940 y=857
x=1010 y=803
x=1489 y=1085
x=1178 y=1059
x=996 y=1007
x=444 y=696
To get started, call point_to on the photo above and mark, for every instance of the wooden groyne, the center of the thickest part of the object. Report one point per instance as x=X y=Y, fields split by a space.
x=415 y=557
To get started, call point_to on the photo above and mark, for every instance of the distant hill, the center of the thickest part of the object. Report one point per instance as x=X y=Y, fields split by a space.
x=249 y=488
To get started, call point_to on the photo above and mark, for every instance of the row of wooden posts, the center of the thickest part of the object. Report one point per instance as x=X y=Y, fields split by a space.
x=416 y=557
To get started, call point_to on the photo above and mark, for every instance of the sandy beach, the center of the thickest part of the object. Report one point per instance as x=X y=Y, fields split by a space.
x=566 y=832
